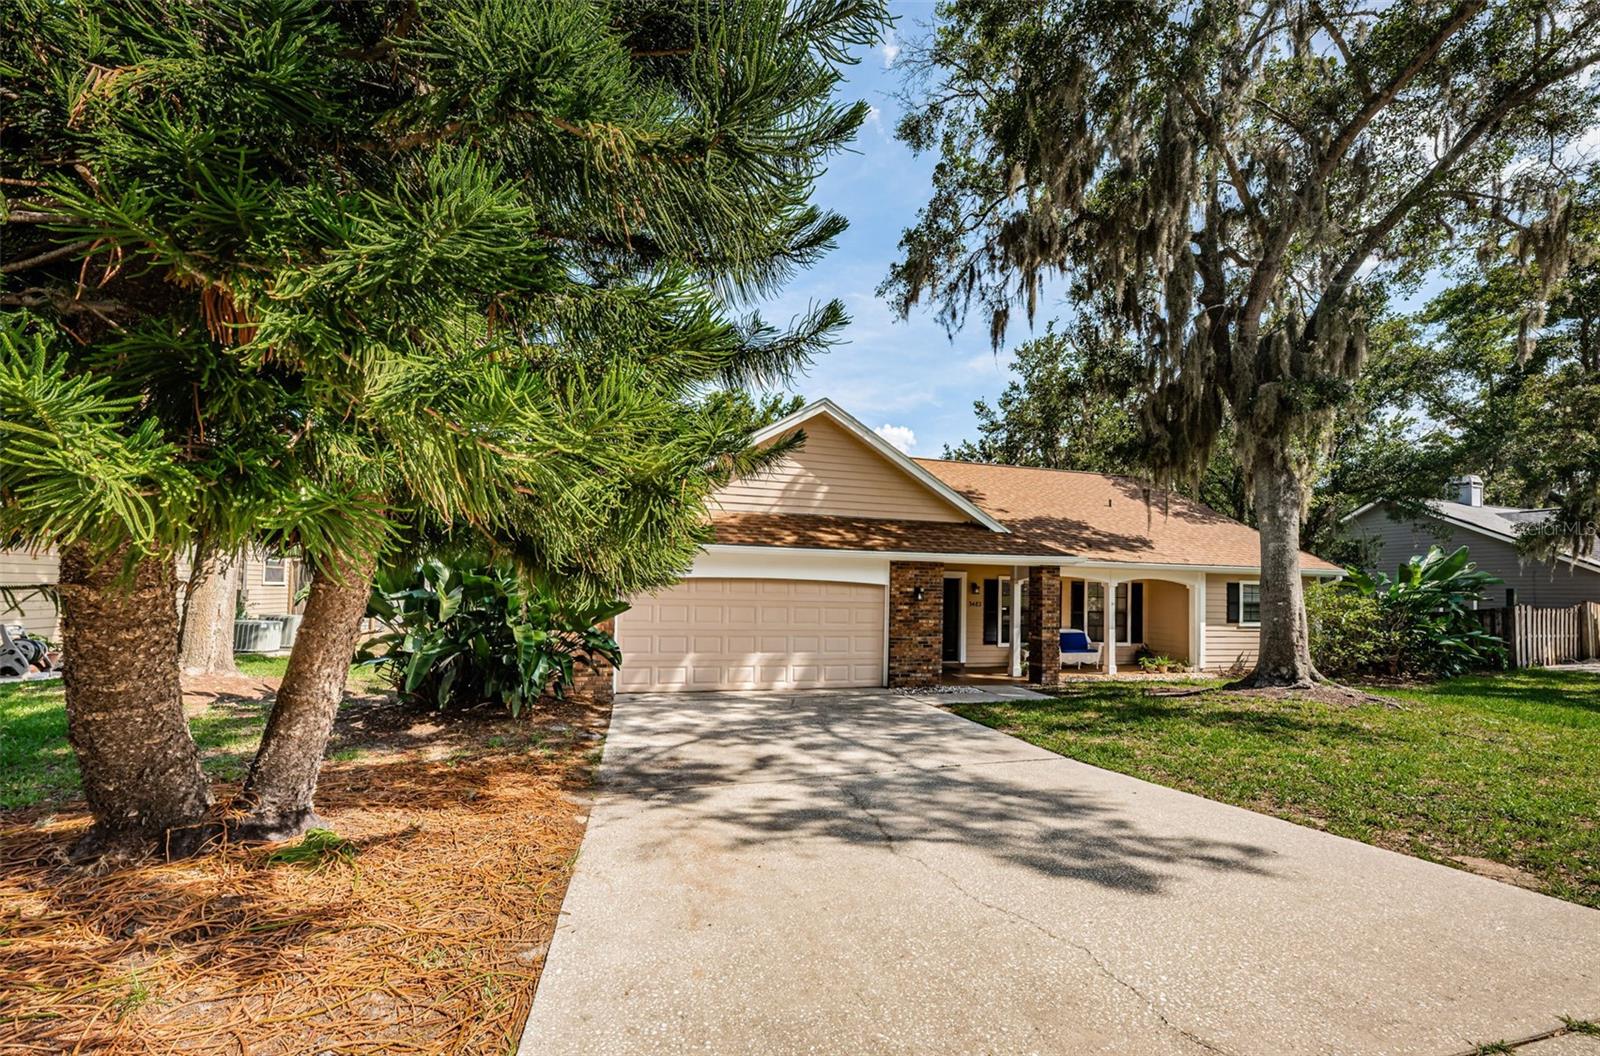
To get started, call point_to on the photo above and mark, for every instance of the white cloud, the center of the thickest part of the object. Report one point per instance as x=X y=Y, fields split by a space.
x=899 y=436
x=890 y=49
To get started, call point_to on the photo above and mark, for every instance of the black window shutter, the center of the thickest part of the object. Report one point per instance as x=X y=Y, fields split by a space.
x=1136 y=613
x=991 y=612
x=1077 y=605
x=1233 y=603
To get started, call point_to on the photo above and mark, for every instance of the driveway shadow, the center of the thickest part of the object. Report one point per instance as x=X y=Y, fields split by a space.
x=764 y=771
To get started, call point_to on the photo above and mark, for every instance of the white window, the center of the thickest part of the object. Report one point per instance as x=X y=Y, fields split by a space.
x=1250 y=603
x=1095 y=614
x=273 y=572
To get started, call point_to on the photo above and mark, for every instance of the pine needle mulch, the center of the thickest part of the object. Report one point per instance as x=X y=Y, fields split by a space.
x=425 y=932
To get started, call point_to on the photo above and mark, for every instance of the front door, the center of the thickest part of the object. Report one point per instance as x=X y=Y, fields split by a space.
x=952 y=621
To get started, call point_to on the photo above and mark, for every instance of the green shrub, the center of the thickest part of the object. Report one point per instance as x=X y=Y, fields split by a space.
x=1427 y=623
x=470 y=634
x=1345 y=627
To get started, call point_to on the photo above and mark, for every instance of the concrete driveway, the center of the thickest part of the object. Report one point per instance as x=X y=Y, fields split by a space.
x=863 y=873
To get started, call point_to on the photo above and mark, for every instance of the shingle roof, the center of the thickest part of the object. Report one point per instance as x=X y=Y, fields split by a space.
x=1505 y=521
x=810 y=531
x=1049 y=512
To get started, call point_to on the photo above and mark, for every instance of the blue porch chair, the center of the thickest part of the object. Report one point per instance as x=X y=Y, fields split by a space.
x=1076 y=648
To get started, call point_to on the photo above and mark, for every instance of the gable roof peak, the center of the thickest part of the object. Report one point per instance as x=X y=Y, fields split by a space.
x=897 y=458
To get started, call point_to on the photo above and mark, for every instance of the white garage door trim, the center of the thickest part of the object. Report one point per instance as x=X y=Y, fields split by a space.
x=770 y=563
x=709 y=633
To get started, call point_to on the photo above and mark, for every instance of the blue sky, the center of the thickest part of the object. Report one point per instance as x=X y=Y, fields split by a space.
x=905 y=375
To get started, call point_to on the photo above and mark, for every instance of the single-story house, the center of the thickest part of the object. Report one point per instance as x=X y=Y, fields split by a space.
x=852 y=564
x=267 y=587
x=1392 y=535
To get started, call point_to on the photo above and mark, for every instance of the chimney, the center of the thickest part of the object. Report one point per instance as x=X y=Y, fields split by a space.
x=1467 y=490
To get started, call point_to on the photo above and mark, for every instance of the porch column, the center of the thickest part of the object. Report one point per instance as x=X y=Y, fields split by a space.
x=1014 y=666
x=1110 y=587
x=1044 y=625
x=1197 y=622
x=916 y=622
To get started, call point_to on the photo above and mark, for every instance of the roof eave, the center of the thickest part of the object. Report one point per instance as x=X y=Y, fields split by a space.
x=1062 y=560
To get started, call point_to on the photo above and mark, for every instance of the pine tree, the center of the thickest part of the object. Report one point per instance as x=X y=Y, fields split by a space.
x=367 y=268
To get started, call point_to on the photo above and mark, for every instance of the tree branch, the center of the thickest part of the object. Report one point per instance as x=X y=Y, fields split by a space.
x=1272 y=254
x=1331 y=28
x=1235 y=177
x=38 y=297
x=1464 y=13
x=1337 y=286
x=42 y=258
x=427 y=137
x=387 y=42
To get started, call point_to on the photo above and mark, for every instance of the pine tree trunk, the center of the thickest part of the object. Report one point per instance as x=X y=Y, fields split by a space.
x=141 y=772
x=1285 y=652
x=206 y=644
x=277 y=800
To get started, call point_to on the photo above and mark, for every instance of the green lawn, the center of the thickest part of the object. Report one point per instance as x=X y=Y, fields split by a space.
x=1499 y=767
x=36 y=763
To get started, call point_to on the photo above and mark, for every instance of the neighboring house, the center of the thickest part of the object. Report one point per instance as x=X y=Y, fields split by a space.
x=20 y=570
x=267 y=587
x=1490 y=533
x=851 y=564
x=267 y=584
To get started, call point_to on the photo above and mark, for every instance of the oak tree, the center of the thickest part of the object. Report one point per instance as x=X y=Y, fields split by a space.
x=1238 y=185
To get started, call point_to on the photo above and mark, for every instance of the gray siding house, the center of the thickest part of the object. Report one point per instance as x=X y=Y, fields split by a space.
x=1490 y=535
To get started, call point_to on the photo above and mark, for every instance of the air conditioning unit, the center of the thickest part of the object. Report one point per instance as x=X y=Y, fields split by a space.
x=291 y=627
x=257 y=636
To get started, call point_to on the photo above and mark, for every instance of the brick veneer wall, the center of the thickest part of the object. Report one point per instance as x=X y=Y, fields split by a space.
x=916 y=628
x=594 y=682
x=1044 y=625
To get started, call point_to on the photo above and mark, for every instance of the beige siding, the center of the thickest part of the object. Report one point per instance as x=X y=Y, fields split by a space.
x=711 y=634
x=36 y=613
x=260 y=597
x=1227 y=643
x=1166 y=618
x=836 y=474
x=979 y=654
x=1126 y=652
x=1537 y=583
x=1230 y=643
x=267 y=599
x=39 y=615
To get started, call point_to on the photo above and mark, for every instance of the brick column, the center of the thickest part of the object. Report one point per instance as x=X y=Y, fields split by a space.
x=1044 y=625
x=594 y=682
x=916 y=628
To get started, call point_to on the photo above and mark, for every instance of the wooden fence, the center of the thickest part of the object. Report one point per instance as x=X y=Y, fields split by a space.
x=1538 y=637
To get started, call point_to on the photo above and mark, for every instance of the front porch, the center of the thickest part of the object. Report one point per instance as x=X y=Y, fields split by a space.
x=966 y=622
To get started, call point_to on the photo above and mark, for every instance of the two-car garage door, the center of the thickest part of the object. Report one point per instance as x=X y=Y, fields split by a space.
x=753 y=634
